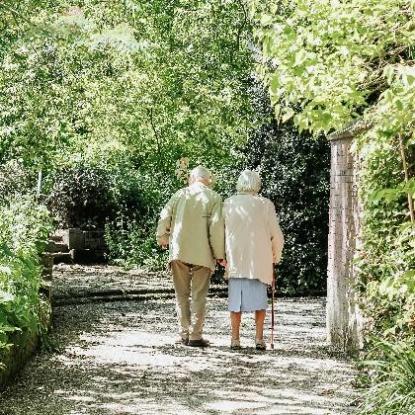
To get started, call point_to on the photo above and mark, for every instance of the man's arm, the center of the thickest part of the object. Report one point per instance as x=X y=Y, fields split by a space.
x=277 y=238
x=164 y=223
x=217 y=229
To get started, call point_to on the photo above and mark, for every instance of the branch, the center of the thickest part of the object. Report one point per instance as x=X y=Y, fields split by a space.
x=241 y=28
x=16 y=16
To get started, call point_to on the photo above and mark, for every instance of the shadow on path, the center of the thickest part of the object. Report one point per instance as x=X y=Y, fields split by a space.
x=120 y=358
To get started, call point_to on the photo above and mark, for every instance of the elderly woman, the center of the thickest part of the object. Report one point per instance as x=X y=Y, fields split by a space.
x=254 y=243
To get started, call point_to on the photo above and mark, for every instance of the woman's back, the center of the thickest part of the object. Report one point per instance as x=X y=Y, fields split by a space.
x=253 y=237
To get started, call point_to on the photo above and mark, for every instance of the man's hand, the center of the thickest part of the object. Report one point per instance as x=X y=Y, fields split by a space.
x=164 y=242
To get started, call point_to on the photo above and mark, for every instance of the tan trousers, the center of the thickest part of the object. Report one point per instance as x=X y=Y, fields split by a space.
x=190 y=280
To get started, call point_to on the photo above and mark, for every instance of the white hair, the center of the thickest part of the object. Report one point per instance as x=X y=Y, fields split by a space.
x=201 y=173
x=249 y=181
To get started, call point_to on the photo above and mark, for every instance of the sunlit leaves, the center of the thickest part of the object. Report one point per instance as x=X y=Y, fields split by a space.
x=327 y=54
x=24 y=227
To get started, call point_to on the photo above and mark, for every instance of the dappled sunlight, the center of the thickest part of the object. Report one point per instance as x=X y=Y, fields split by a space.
x=125 y=362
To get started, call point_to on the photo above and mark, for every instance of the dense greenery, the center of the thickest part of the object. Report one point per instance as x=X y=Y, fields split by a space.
x=115 y=102
x=395 y=379
x=295 y=175
x=129 y=88
x=143 y=78
x=327 y=64
x=24 y=228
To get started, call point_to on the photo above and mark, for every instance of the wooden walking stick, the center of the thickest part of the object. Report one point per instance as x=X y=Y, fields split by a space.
x=273 y=308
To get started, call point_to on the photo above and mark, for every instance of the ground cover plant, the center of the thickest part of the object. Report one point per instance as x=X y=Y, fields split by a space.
x=24 y=228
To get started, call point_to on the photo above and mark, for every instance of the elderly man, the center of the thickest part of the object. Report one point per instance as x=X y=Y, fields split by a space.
x=191 y=224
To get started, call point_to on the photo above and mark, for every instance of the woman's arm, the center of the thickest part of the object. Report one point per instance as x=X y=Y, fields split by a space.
x=217 y=229
x=277 y=238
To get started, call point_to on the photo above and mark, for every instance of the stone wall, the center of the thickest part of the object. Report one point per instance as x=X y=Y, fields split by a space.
x=343 y=316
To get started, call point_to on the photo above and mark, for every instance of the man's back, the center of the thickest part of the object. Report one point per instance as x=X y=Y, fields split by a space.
x=192 y=220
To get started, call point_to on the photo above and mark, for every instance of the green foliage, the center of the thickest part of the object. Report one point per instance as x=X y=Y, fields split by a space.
x=393 y=374
x=14 y=179
x=147 y=83
x=386 y=259
x=329 y=63
x=131 y=243
x=331 y=57
x=295 y=176
x=81 y=196
x=143 y=77
x=24 y=227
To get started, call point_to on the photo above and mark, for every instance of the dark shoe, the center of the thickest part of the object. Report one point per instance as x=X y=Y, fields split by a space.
x=260 y=344
x=198 y=343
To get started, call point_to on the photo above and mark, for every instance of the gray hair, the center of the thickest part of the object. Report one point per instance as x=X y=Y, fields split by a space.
x=249 y=181
x=201 y=172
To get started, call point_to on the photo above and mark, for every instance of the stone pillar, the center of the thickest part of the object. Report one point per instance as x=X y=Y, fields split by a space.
x=343 y=316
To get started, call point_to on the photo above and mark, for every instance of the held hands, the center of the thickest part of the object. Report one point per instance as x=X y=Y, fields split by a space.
x=164 y=242
x=222 y=262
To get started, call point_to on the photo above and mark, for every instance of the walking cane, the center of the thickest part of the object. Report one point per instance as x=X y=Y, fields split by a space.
x=273 y=308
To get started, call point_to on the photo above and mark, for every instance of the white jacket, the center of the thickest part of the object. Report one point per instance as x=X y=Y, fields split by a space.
x=253 y=238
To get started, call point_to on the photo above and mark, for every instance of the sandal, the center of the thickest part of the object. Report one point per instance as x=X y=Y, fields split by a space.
x=260 y=344
x=235 y=344
x=182 y=340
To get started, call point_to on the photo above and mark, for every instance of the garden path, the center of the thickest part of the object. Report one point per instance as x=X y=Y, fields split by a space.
x=119 y=358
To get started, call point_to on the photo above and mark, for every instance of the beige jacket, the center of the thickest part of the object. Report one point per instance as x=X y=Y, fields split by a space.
x=254 y=240
x=192 y=224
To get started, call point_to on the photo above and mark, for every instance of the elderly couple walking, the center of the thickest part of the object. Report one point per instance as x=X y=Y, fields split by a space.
x=242 y=234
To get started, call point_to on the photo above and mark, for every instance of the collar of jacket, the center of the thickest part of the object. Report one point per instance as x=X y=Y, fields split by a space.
x=248 y=193
x=199 y=185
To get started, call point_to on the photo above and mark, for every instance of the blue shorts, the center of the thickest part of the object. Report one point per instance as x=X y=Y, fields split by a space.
x=247 y=295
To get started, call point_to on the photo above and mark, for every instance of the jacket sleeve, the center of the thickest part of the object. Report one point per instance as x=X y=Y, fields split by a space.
x=165 y=221
x=217 y=229
x=277 y=238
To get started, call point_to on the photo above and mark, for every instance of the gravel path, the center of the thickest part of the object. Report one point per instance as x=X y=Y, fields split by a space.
x=119 y=358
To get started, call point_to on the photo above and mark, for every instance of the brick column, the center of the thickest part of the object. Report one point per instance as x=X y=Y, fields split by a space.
x=343 y=316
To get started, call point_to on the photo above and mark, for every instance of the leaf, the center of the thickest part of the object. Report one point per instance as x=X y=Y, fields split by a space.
x=288 y=113
x=275 y=83
x=277 y=111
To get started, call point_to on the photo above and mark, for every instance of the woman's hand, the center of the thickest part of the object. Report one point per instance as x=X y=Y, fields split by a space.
x=222 y=262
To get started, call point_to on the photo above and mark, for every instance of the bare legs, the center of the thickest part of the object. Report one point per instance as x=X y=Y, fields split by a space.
x=235 y=324
x=259 y=323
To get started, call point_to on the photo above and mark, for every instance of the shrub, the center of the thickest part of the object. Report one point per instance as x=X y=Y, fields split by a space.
x=81 y=195
x=392 y=375
x=386 y=258
x=295 y=174
x=14 y=179
x=130 y=236
x=24 y=228
x=131 y=245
